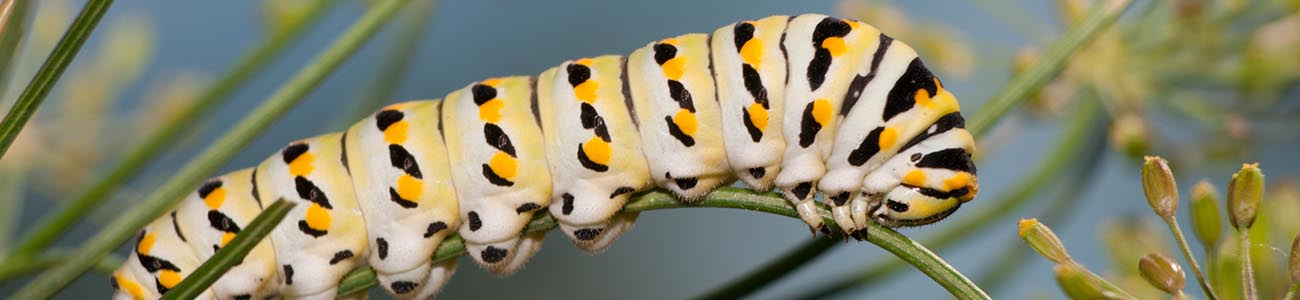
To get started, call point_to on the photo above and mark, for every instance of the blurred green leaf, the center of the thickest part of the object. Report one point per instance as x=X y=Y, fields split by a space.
x=50 y=71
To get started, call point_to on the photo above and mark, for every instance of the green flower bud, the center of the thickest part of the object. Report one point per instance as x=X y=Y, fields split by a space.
x=1244 y=193
x=1163 y=273
x=1160 y=187
x=1079 y=283
x=1206 y=222
x=1043 y=240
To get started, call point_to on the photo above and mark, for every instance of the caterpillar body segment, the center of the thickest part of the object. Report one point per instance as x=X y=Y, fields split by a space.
x=158 y=262
x=822 y=54
x=593 y=147
x=402 y=176
x=805 y=104
x=499 y=166
x=211 y=216
x=324 y=236
x=750 y=72
x=673 y=95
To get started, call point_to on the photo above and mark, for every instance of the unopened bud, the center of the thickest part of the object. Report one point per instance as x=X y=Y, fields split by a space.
x=1043 y=240
x=1206 y=222
x=1244 y=193
x=1162 y=272
x=1160 y=187
x=1079 y=283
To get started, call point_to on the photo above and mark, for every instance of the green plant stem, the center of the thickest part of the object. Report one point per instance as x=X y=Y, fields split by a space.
x=1191 y=259
x=51 y=228
x=1247 y=271
x=741 y=287
x=156 y=203
x=1068 y=147
x=13 y=23
x=232 y=254
x=1053 y=61
x=1058 y=209
x=1291 y=292
x=52 y=257
x=728 y=197
x=50 y=71
x=411 y=27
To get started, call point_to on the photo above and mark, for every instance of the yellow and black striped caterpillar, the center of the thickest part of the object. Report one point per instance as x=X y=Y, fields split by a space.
x=805 y=104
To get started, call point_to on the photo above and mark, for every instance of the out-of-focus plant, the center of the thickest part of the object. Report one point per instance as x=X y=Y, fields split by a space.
x=1250 y=263
x=1218 y=67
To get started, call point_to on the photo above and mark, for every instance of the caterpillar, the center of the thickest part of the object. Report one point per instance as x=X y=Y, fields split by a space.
x=806 y=104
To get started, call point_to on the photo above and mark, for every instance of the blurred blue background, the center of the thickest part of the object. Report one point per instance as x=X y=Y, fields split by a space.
x=671 y=253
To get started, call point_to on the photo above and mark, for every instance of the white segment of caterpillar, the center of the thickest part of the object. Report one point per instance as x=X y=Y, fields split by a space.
x=805 y=104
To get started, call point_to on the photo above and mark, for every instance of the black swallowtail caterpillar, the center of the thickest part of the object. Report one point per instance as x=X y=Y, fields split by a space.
x=805 y=104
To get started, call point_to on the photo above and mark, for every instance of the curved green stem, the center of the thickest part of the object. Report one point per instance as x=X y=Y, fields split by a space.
x=232 y=254
x=1191 y=259
x=908 y=250
x=162 y=199
x=50 y=71
x=51 y=228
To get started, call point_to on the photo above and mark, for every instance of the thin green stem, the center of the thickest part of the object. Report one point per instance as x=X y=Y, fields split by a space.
x=909 y=251
x=1247 y=271
x=50 y=71
x=1025 y=84
x=411 y=27
x=156 y=203
x=1068 y=147
x=1191 y=259
x=51 y=228
x=232 y=254
x=741 y=287
x=52 y=257
x=13 y=20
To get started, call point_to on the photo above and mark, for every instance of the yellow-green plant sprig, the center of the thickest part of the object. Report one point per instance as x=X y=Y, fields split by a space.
x=1244 y=193
x=1074 y=279
x=156 y=203
x=1162 y=194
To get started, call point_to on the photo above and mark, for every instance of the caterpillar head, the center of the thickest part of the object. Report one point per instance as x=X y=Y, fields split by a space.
x=914 y=206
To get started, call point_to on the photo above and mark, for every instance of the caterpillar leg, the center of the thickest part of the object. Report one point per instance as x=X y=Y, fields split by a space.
x=505 y=257
x=419 y=283
x=807 y=208
x=598 y=237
